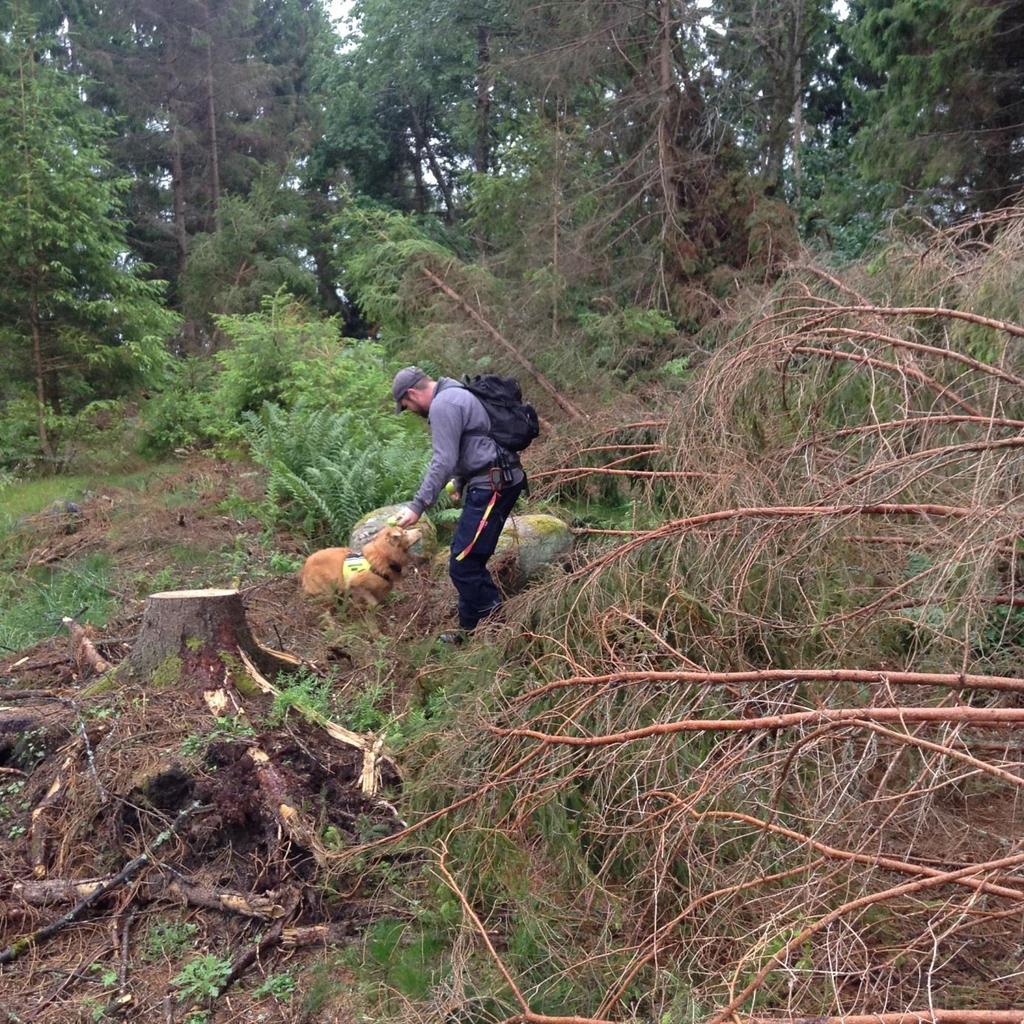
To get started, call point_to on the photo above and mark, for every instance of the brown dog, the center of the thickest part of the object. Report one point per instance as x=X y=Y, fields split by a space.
x=366 y=578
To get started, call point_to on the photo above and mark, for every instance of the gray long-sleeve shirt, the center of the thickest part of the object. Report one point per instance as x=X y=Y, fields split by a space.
x=454 y=411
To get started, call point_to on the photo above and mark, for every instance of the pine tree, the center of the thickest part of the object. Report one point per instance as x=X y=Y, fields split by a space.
x=946 y=120
x=77 y=318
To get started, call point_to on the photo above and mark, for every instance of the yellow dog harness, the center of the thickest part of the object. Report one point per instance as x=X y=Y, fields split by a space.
x=354 y=565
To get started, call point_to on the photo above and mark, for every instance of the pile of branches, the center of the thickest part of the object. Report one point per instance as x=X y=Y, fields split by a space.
x=174 y=799
x=760 y=755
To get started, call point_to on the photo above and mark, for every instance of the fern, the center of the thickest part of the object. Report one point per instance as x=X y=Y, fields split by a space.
x=327 y=469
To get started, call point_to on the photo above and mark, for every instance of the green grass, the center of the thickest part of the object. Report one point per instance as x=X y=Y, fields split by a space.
x=32 y=604
x=27 y=497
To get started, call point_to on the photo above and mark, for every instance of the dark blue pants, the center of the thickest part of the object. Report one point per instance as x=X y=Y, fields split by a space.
x=478 y=596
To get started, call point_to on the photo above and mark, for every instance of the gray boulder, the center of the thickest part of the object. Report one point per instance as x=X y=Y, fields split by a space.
x=373 y=522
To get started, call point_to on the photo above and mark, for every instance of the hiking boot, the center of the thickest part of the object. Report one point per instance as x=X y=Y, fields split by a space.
x=454 y=637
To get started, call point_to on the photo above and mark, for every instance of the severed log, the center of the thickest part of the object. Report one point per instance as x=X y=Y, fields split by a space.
x=281 y=806
x=319 y=934
x=87 y=659
x=26 y=942
x=53 y=891
x=50 y=891
x=265 y=907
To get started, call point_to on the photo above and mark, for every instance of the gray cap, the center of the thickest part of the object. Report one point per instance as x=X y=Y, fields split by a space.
x=407 y=377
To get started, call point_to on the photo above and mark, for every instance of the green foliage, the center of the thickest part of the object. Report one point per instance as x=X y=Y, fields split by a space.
x=226 y=727
x=943 y=116
x=408 y=958
x=282 y=354
x=258 y=364
x=255 y=252
x=328 y=469
x=79 y=318
x=627 y=339
x=32 y=605
x=301 y=689
x=168 y=940
x=280 y=986
x=383 y=246
x=201 y=978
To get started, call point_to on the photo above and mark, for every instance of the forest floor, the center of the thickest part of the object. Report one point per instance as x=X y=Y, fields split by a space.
x=198 y=935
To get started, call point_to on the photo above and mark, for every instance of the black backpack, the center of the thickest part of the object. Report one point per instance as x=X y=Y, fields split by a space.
x=514 y=423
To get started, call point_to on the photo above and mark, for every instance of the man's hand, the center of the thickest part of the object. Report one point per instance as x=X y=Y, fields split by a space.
x=407 y=518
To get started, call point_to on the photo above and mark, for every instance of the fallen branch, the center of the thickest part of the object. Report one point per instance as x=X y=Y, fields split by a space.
x=906 y=1017
x=563 y=403
x=772 y=676
x=126 y=874
x=900 y=370
x=318 y=934
x=926 y=311
x=678 y=526
x=265 y=907
x=40 y=828
x=526 y=1013
x=797 y=940
x=82 y=650
x=47 y=892
x=835 y=853
x=961 y=715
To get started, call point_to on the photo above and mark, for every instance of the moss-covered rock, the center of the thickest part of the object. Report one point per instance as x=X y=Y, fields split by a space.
x=373 y=522
x=536 y=540
x=530 y=541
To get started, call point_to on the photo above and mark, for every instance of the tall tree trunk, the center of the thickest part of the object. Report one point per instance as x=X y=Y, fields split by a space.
x=178 y=191
x=37 y=361
x=482 y=150
x=419 y=194
x=798 y=122
x=211 y=114
x=423 y=144
x=668 y=109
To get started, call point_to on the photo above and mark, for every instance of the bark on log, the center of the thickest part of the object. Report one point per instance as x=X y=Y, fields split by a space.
x=264 y=907
x=51 y=891
x=87 y=659
x=48 y=809
x=319 y=934
x=197 y=627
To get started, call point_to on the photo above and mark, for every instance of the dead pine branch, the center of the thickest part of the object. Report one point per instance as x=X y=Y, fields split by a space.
x=773 y=676
x=930 y=1016
x=44 y=813
x=442 y=286
x=944 y=878
x=854 y=716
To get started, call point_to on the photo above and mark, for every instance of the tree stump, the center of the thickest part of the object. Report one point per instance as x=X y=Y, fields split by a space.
x=195 y=636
